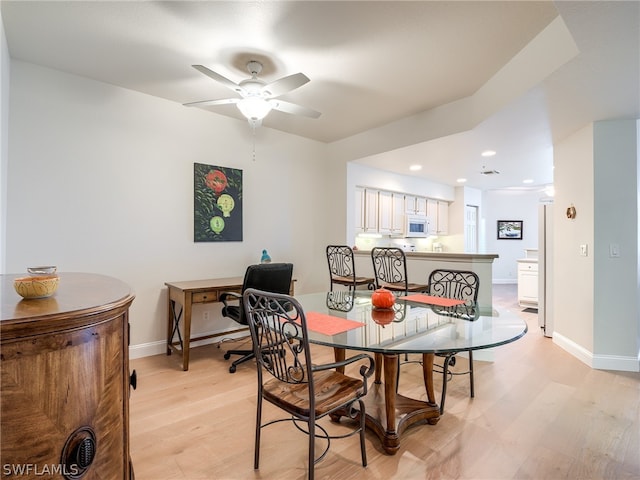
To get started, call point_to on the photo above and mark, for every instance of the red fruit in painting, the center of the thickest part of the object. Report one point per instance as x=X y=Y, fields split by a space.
x=216 y=180
x=382 y=298
x=383 y=316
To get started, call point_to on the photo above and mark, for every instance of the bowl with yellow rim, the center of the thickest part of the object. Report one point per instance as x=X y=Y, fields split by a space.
x=36 y=287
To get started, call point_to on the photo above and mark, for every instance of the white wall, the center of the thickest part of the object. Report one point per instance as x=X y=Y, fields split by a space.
x=616 y=312
x=102 y=181
x=510 y=205
x=573 y=161
x=4 y=140
x=596 y=297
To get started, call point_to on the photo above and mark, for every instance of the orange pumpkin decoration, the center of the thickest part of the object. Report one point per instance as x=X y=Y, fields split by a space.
x=382 y=298
x=383 y=316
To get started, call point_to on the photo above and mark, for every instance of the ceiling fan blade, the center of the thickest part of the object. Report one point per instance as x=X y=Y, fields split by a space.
x=284 y=85
x=207 y=103
x=294 y=109
x=219 y=78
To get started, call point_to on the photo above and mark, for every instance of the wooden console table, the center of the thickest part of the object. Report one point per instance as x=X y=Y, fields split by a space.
x=186 y=294
x=65 y=380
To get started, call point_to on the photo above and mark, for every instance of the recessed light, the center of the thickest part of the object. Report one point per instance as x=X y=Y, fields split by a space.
x=528 y=180
x=415 y=168
x=461 y=180
x=488 y=153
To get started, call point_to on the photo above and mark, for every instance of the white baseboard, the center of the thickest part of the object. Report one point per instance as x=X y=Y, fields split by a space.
x=160 y=347
x=599 y=362
x=147 y=349
x=616 y=362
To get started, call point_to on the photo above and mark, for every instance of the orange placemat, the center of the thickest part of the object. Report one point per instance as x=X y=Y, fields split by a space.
x=440 y=301
x=328 y=324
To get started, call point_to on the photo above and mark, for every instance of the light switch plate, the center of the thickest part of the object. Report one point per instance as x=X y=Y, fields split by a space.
x=614 y=250
x=583 y=250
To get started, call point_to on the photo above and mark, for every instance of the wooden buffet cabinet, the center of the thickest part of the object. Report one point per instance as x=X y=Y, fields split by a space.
x=65 y=380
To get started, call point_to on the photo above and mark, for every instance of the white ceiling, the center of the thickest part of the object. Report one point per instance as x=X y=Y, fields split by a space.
x=398 y=83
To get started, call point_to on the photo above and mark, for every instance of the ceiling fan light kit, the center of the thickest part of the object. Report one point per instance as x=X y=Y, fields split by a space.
x=258 y=97
x=254 y=108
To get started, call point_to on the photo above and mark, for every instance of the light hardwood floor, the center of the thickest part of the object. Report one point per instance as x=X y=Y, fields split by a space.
x=538 y=413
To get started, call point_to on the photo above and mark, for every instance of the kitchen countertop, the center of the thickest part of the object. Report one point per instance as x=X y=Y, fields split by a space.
x=419 y=264
x=442 y=255
x=528 y=260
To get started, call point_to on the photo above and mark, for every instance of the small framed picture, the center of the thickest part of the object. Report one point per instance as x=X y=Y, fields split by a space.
x=509 y=229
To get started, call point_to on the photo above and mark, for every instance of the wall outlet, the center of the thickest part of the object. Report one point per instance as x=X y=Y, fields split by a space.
x=205 y=315
x=583 y=250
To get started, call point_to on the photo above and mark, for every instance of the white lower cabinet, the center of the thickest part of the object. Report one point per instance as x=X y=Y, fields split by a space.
x=528 y=283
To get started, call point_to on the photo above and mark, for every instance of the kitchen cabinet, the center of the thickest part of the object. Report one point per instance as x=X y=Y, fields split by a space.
x=528 y=283
x=390 y=213
x=438 y=213
x=371 y=210
x=359 y=202
x=415 y=205
x=384 y=212
x=366 y=210
x=65 y=378
x=443 y=218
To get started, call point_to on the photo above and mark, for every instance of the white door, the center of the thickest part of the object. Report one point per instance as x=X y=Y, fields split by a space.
x=471 y=229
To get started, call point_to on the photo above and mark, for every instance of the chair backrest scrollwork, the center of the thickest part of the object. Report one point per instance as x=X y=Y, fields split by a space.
x=340 y=259
x=279 y=332
x=389 y=265
x=458 y=284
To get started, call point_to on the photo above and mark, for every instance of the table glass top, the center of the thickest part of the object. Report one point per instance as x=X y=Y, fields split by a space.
x=410 y=327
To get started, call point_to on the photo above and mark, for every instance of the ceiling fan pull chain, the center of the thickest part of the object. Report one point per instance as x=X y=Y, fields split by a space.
x=253 y=135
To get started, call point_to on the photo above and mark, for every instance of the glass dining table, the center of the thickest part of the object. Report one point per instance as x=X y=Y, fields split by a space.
x=346 y=320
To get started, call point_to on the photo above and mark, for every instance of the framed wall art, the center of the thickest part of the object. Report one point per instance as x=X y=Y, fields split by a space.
x=509 y=229
x=217 y=204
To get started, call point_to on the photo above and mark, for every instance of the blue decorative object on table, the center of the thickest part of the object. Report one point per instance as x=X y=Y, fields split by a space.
x=265 y=257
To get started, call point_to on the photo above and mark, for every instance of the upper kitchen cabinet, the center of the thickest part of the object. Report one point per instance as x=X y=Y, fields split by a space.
x=379 y=211
x=415 y=205
x=384 y=212
x=391 y=213
x=438 y=212
x=366 y=210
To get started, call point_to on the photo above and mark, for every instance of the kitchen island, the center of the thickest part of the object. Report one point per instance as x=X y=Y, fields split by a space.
x=420 y=264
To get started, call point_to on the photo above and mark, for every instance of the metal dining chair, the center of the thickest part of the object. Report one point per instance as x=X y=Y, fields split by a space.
x=342 y=269
x=289 y=379
x=390 y=271
x=459 y=285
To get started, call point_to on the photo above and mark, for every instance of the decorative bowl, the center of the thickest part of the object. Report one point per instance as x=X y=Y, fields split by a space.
x=42 y=270
x=36 y=287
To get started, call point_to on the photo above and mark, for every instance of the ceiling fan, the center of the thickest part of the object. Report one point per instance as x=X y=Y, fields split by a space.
x=258 y=98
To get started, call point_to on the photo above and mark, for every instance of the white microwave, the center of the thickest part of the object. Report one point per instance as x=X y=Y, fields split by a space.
x=416 y=226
